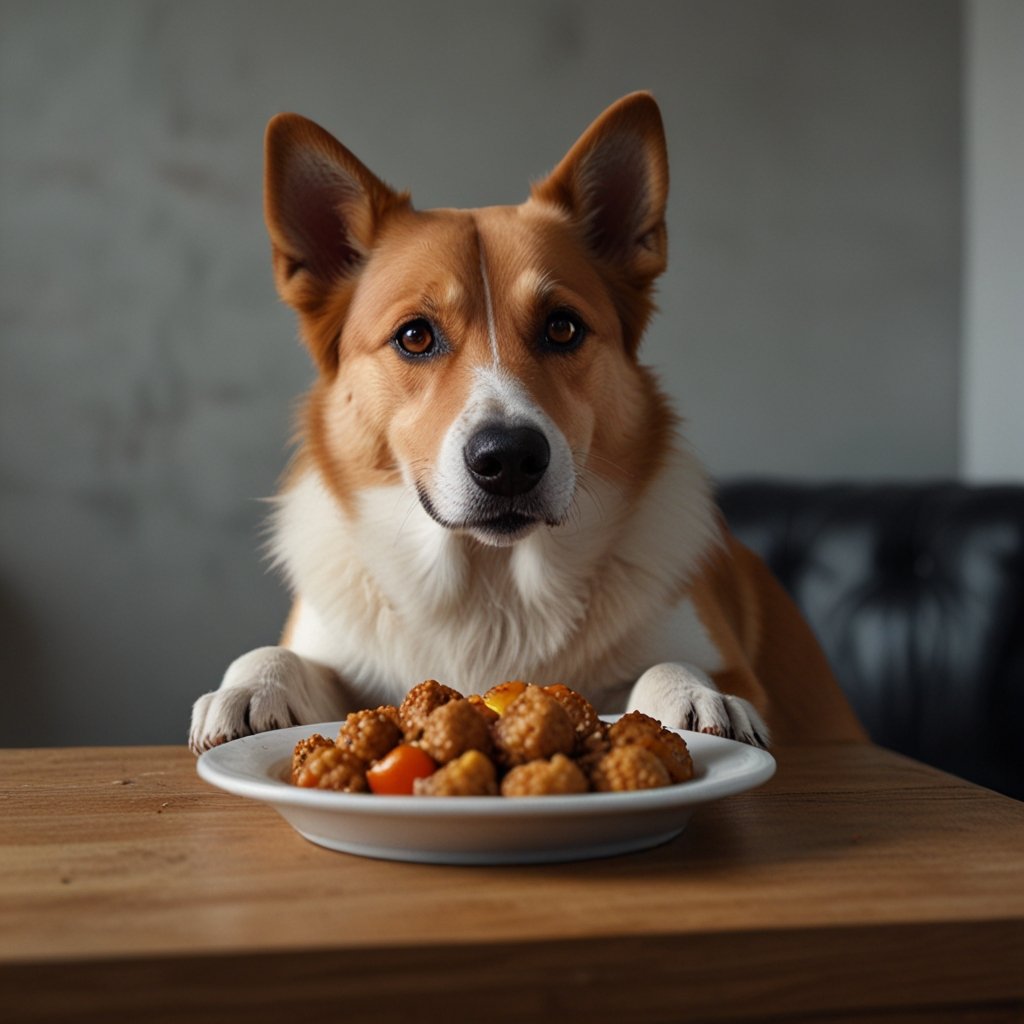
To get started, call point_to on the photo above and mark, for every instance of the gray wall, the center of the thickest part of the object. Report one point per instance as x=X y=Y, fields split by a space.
x=992 y=363
x=809 y=320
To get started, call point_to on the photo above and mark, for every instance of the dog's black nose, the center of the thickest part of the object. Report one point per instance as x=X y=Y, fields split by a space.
x=507 y=460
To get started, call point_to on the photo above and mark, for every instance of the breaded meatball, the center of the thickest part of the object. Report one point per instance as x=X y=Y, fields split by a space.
x=533 y=726
x=452 y=729
x=369 y=734
x=628 y=768
x=582 y=713
x=304 y=748
x=634 y=722
x=674 y=754
x=472 y=774
x=419 y=702
x=638 y=729
x=545 y=778
x=392 y=712
x=333 y=768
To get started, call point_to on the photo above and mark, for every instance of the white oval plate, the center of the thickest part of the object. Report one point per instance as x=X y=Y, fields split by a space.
x=481 y=830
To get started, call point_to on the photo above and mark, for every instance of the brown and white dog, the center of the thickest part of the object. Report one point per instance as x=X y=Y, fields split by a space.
x=490 y=485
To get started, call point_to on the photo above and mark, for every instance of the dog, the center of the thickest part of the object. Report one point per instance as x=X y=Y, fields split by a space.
x=490 y=484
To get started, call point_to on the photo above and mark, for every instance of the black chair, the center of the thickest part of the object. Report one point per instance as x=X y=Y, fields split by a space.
x=916 y=592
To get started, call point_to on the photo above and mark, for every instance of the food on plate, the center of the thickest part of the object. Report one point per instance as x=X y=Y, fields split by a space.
x=333 y=767
x=533 y=726
x=638 y=729
x=581 y=712
x=498 y=697
x=471 y=774
x=370 y=734
x=517 y=739
x=543 y=778
x=627 y=768
x=418 y=704
x=452 y=730
x=397 y=771
x=306 y=747
x=487 y=713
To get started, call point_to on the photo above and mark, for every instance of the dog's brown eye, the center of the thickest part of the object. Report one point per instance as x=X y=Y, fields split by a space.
x=563 y=330
x=415 y=338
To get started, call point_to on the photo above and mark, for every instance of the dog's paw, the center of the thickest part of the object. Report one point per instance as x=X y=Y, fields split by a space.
x=684 y=697
x=225 y=715
x=269 y=688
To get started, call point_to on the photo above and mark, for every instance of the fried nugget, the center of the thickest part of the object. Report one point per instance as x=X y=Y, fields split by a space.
x=472 y=774
x=669 y=747
x=333 y=768
x=419 y=702
x=628 y=768
x=303 y=749
x=533 y=726
x=452 y=729
x=560 y=775
x=370 y=734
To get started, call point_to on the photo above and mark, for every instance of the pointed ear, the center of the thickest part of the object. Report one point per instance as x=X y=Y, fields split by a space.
x=323 y=209
x=614 y=184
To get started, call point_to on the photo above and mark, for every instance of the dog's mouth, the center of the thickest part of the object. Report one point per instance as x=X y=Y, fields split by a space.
x=511 y=524
x=489 y=525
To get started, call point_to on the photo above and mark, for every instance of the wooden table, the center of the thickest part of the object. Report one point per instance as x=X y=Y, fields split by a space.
x=857 y=885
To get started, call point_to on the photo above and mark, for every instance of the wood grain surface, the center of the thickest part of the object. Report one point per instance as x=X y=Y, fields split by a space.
x=857 y=885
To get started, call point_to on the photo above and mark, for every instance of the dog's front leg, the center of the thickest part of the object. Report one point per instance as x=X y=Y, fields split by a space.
x=268 y=688
x=684 y=697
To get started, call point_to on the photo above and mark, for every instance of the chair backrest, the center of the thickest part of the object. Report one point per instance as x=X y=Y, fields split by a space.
x=916 y=592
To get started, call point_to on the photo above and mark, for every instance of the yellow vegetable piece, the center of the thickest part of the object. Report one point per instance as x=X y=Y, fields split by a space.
x=498 y=698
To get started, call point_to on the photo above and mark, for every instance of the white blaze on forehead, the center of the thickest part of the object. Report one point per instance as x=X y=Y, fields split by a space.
x=492 y=329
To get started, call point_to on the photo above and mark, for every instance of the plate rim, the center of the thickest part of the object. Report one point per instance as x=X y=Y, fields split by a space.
x=738 y=767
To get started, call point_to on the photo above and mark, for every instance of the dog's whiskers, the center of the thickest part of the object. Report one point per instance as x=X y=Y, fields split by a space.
x=621 y=470
x=411 y=492
x=586 y=484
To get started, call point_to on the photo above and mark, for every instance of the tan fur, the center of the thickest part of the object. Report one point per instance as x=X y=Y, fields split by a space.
x=370 y=409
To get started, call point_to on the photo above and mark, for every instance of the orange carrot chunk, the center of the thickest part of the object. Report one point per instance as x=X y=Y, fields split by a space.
x=396 y=771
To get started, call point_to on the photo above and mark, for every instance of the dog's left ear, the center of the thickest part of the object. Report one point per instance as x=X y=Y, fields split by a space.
x=614 y=183
x=323 y=210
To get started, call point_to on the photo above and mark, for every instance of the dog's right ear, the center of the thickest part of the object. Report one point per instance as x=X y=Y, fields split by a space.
x=323 y=209
x=614 y=184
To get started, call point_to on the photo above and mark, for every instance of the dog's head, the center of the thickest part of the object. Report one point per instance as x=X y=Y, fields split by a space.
x=484 y=357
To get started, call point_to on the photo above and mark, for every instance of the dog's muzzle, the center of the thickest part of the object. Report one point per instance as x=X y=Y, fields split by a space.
x=507 y=461
x=503 y=470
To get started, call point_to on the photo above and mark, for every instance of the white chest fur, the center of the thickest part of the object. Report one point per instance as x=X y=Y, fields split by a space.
x=387 y=597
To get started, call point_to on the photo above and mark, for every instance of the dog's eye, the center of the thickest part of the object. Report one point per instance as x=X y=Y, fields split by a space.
x=416 y=338
x=563 y=330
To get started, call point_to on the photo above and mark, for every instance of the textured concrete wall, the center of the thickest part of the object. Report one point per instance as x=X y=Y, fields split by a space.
x=147 y=371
